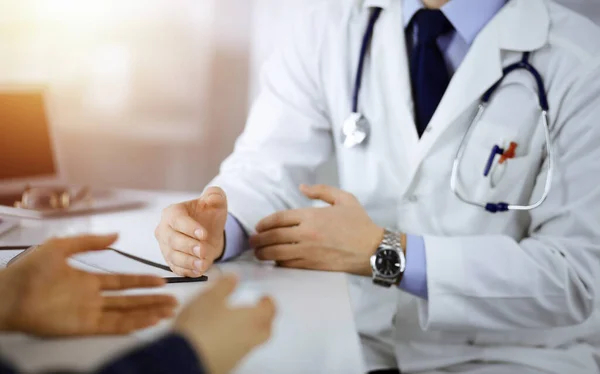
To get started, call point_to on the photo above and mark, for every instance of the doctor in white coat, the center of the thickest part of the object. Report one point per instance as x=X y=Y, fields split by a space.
x=475 y=292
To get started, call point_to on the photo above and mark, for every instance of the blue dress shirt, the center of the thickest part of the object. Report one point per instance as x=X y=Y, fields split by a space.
x=468 y=17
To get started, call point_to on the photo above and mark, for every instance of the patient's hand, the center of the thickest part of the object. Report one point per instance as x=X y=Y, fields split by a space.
x=222 y=334
x=42 y=295
x=190 y=234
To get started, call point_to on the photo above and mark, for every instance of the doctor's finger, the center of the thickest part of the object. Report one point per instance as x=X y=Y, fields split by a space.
x=283 y=252
x=183 y=243
x=286 y=235
x=185 y=272
x=186 y=225
x=214 y=197
x=185 y=261
x=328 y=194
x=285 y=218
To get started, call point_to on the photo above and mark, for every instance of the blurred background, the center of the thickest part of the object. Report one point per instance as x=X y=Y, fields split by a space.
x=148 y=94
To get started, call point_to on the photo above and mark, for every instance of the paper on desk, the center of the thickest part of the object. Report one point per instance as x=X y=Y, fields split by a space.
x=113 y=262
x=7 y=224
x=6 y=256
x=102 y=261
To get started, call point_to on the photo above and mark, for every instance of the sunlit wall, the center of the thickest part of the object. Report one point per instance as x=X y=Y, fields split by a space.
x=131 y=79
x=148 y=93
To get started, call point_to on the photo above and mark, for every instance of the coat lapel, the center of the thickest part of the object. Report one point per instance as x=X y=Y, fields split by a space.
x=522 y=25
x=480 y=69
x=391 y=71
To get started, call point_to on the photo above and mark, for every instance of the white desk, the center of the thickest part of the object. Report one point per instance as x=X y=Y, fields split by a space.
x=314 y=331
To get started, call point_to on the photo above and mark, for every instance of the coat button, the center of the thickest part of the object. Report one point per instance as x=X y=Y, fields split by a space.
x=412 y=199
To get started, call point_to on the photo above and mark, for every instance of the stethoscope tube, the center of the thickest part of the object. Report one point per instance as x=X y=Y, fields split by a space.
x=492 y=207
x=364 y=49
x=355 y=130
x=524 y=64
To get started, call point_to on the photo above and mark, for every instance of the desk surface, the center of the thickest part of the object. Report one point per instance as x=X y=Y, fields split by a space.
x=314 y=330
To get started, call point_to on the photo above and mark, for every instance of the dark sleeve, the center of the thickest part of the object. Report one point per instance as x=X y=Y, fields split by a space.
x=5 y=369
x=171 y=354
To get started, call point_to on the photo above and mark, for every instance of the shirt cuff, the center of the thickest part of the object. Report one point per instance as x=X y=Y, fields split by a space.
x=236 y=239
x=414 y=280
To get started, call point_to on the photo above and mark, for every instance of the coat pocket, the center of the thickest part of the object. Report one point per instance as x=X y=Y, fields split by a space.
x=500 y=164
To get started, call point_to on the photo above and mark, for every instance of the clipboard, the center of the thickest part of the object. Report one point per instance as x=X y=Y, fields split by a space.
x=7 y=224
x=114 y=261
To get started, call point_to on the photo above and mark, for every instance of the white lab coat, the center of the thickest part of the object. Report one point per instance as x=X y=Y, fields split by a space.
x=512 y=288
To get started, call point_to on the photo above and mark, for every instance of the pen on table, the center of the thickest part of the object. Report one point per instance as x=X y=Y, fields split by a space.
x=173 y=280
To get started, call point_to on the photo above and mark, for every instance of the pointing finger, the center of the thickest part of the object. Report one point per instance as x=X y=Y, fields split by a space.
x=328 y=194
x=79 y=244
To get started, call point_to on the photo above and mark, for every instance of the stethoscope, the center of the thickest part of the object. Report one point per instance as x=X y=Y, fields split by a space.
x=356 y=129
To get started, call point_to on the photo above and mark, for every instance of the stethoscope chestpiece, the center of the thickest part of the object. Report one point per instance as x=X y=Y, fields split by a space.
x=355 y=130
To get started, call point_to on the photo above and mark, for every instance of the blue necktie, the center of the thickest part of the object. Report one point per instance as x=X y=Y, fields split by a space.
x=429 y=74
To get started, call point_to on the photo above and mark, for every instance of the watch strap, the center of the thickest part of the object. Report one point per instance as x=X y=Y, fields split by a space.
x=383 y=282
x=391 y=241
x=394 y=240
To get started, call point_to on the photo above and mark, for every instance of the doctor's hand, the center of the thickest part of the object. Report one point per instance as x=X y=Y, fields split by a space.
x=44 y=296
x=341 y=237
x=191 y=234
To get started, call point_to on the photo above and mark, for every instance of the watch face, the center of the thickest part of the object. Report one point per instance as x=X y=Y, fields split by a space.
x=387 y=263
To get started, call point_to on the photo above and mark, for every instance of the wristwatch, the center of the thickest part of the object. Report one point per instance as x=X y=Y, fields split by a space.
x=389 y=262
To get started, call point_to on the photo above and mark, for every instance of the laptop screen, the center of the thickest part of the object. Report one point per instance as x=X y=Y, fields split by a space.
x=26 y=149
